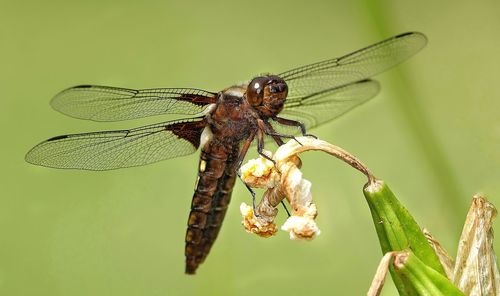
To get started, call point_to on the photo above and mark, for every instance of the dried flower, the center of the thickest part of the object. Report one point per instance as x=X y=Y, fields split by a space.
x=283 y=180
x=255 y=225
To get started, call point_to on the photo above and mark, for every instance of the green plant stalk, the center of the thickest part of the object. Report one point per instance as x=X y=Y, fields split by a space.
x=421 y=278
x=385 y=244
x=386 y=247
x=397 y=230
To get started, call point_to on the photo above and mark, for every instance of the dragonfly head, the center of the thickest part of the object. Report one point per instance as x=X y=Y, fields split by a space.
x=267 y=94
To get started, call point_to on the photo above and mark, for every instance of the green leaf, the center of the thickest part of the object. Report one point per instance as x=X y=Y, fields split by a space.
x=421 y=278
x=397 y=230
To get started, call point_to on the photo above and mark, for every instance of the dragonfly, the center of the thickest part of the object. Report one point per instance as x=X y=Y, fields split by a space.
x=223 y=124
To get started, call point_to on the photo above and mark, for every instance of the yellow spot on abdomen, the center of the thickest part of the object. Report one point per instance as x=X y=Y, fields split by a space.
x=203 y=165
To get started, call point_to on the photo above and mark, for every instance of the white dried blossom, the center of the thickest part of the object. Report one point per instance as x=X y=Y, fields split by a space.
x=283 y=180
x=255 y=225
x=302 y=227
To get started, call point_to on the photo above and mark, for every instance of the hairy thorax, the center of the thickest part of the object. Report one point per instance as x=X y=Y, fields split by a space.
x=232 y=119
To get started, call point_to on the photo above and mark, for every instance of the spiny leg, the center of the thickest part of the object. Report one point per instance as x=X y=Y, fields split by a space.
x=260 y=141
x=269 y=130
x=295 y=123
x=241 y=157
x=277 y=139
x=265 y=127
x=276 y=134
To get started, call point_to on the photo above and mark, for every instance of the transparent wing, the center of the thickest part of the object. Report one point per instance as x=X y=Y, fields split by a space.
x=327 y=105
x=361 y=64
x=104 y=103
x=118 y=149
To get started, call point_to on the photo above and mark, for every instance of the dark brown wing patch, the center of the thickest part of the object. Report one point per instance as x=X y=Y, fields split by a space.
x=189 y=131
x=108 y=150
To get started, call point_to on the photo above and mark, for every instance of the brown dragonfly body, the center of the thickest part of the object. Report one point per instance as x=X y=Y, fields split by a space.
x=231 y=121
x=223 y=124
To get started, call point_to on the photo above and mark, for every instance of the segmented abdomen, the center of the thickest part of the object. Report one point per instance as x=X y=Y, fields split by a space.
x=216 y=177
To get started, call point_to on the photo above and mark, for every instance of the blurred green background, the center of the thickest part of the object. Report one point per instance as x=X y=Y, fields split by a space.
x=433 y=134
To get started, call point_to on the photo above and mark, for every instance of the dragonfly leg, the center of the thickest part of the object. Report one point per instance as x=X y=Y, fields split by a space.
x=269 y=130
x=260 y=148
x=260 y=142
x=254 y=202
x=244 y=150
x=277 y=139
x=241 y=157
x=272 y=134
x=284 y=207
x=295 y=123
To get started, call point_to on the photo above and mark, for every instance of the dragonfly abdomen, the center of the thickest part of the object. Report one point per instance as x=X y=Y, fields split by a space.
x=216 y=177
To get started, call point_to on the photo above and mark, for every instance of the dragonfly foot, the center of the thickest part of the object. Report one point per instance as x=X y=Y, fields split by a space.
x=310 y=135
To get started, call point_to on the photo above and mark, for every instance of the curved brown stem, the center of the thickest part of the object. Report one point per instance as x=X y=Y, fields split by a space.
x=308 y=143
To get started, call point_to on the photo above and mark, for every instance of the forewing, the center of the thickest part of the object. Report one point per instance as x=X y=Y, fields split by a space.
x=118 y=149
x=327 y=105
x=361 y=64
x=104 y=103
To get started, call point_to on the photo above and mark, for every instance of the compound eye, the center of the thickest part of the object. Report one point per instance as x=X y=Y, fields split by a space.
x=255 y=91
x=278 y=87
